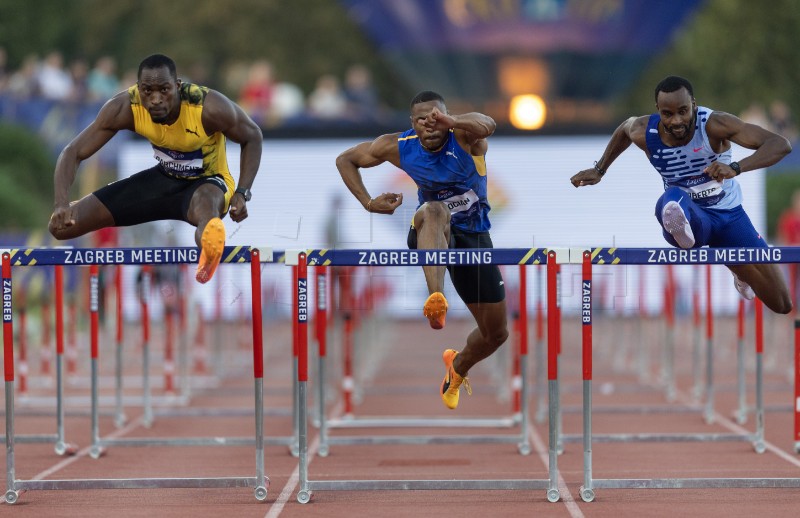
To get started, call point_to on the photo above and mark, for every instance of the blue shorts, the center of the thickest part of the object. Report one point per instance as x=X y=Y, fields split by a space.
x=728 y=228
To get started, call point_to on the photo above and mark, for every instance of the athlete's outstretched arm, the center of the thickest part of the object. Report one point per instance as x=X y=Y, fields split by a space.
x=769 y=147
x=113 y=116
x=220 y=114
x=632 y=130
x=370 y=154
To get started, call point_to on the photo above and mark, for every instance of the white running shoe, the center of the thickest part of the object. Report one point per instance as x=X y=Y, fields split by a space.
x=677 y=225
x=743 y=288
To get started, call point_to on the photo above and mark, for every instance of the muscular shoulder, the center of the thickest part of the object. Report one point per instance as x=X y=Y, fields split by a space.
x=722 y=124
x=116 y=113
x=636 y=129
x=385 y=147
x=219 y=112
x=372 y=153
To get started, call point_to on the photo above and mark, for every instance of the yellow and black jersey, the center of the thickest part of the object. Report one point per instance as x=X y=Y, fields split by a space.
x=183 y=149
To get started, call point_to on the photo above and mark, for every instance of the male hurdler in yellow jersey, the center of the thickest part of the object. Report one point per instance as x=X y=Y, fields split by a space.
x=445 y=156
x=187 y=126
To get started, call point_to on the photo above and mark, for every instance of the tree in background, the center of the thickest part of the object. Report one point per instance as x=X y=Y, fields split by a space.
x=735 y=53
x=302 y=39
x=26 y=179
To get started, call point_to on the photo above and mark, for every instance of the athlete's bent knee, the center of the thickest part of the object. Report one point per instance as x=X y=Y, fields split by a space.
x=437 y=210
x=497 y=337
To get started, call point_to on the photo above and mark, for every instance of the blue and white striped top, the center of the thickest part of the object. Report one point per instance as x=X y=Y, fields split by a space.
x=683 y=166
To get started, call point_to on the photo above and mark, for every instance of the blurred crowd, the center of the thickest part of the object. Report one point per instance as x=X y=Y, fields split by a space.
x=777 y=118
x=270 y=101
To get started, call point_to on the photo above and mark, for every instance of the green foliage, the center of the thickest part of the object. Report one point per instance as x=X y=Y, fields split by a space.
x=303 y=39
x=26 y=179
x=735 y=52
x=779 y=190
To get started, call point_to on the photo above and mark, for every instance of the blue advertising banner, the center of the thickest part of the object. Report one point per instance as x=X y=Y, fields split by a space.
x=537 y=26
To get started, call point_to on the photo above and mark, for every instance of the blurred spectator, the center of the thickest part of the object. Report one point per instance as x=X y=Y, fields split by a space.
x=24 y=83
x=103 y=82
x=361 y=95
x=198 y=74
x=3 y=68
x=789 y=222
x=789 y=235
x=53 y=80
x=327 y=101
x=79 y=75
x=287 y=102
x=756 y=114
x=256 y=94
x=128 y=79
x=781 y=117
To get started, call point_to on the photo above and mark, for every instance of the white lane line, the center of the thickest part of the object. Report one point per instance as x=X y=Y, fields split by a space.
x=563 y=490
x=730 y=425
x=294 y=479
x=291 y=484
x=81 y=453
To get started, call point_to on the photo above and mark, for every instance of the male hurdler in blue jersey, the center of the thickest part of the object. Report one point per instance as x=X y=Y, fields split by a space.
x=444 y=155
x=690 y=146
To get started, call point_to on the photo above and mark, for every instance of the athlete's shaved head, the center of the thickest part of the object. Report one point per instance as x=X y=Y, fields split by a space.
x=673 y=84
x=425 y=96
x=157 y=61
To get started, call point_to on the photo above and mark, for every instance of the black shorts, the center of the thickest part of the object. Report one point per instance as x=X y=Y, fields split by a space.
x=151 y=195
x=481 y=283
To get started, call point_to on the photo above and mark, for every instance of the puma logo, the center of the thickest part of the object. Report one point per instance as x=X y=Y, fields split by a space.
x=195 y=133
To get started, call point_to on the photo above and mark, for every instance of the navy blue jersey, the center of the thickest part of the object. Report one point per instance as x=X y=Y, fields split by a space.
x=450 y=175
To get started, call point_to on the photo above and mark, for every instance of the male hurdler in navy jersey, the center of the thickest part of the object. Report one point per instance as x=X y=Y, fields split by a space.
x=445 y=156
x=690 y=146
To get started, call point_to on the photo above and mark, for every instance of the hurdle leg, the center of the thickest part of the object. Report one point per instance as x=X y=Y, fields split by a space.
x=146 y=392
x=61 y=446
x=322 y=339
x=697 y=388
x=301 y=339
x=540 y=372
x=119 y=414
x=294 y=447
x=95 y=451
x=183 y=340
x=708 y=413
x=587 y=490
x=262 y=482
x=553 y=493
x=758 y=443
x=11 y=494
x=741 y=412
x=797 y=385
x=524 y=446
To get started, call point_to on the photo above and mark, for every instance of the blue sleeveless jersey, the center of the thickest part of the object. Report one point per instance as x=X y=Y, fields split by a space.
x=450 y=175
x=683 y=166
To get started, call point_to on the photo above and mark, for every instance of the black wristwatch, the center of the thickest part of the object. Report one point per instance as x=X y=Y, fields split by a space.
x=736 y=168
x=245 y=192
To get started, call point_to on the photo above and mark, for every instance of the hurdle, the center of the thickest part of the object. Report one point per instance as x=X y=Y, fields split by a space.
x=92 y=258
x=302 y=259
x=519 y=380
x=668 y=256
x=61 y=446
x=610 y=256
